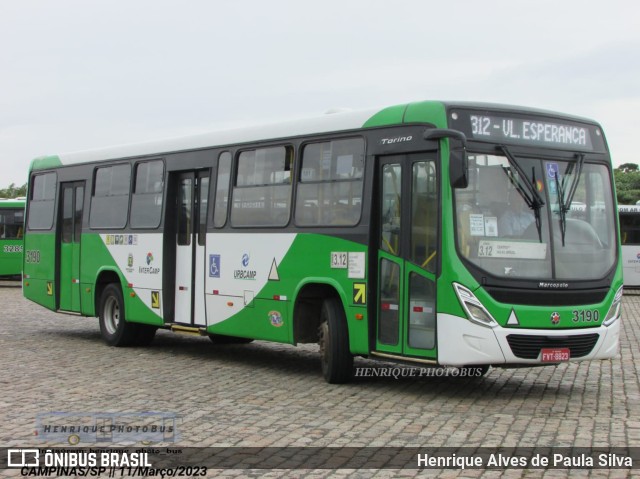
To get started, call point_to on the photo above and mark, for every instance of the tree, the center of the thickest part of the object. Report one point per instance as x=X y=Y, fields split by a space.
x=628 y=167
x=13 y=192
x=627 y=178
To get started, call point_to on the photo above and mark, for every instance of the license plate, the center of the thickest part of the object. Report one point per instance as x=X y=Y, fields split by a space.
x=555 y=355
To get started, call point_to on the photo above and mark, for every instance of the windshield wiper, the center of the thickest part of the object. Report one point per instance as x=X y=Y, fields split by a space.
x=525 y=188
x=564 y=204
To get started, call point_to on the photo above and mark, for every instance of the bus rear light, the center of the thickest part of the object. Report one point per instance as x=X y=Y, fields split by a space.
x=130 y=285
x=418 y=309
x=359 y=316
x=229 y=303
x=132 y=294
x=472 y=306
x=278 y=297
x=216 y=292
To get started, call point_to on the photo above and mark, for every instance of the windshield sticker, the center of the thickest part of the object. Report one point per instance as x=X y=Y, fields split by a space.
x=512 y=249
x=476 y=224
x=552 y=170
x=491 y=226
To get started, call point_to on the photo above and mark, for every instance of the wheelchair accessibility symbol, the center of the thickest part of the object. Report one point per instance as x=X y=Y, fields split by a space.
x=214 y=265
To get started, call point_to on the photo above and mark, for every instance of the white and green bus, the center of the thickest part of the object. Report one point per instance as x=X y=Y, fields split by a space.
x=11 y=236
x=630 y=239
x=432 y=233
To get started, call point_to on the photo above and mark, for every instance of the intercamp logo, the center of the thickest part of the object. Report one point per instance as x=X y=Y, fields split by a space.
x=23 y=458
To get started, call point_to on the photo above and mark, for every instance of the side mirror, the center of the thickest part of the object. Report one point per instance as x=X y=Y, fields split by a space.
x=458 y=160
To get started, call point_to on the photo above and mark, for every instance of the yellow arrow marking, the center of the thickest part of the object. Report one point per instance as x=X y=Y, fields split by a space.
x=50 y=289
x=155 y=299
x=359 y=293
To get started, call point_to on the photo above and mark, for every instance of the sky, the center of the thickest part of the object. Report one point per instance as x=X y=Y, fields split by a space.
x=77 y=74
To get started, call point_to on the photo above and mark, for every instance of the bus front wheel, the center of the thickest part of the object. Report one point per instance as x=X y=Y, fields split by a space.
x=336 y=359
x=113 y=327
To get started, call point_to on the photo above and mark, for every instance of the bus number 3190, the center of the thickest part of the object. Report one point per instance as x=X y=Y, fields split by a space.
x=585 y=315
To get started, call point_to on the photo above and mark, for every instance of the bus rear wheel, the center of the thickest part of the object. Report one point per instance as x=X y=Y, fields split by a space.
x=336 y=359
x=113 y=327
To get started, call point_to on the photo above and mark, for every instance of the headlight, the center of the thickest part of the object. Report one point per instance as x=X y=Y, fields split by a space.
x=476 y=312
x=614 y=311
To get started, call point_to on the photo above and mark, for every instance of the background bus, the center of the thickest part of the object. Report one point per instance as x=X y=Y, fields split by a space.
x=433 y=233
x=630 y=239
x=11 y=236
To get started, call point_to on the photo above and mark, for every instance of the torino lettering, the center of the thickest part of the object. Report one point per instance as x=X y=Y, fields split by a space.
x=400 y=139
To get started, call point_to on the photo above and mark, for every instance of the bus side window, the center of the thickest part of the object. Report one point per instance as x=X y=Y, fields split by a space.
x=41 y=206
x=330 y=186
x=262 y=190
x=110 y=199
x=146 y=202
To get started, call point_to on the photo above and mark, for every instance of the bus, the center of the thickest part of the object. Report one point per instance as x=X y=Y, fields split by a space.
x=11 y=236
x=630 y=239
x=379 y=234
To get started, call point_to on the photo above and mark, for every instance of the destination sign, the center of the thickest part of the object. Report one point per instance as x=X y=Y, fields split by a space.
x=532 y=131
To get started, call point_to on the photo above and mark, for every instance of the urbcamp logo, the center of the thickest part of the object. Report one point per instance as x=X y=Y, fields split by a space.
x=555 y=318
x=130 y=260
x=245 y=273
x=149 y=258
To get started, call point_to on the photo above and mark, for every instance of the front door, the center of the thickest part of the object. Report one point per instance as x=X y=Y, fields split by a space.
x=72 y=198
x=407 y=255
x=193 y=191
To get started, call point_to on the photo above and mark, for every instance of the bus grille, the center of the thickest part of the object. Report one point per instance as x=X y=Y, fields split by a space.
x=528 y=347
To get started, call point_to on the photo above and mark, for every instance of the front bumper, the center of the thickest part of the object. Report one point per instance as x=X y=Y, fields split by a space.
x=462 y=342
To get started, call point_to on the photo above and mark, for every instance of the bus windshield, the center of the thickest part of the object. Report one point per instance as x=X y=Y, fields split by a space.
x=503 y=228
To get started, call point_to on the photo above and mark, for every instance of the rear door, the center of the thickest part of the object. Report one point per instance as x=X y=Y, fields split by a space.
x=193 y=191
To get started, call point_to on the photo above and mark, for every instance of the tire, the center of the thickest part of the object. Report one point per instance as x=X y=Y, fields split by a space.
x=223 y=339
x=144 y=334
x=113 y=327
x=335 y=357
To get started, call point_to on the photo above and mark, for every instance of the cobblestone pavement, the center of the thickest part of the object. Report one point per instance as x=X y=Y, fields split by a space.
x=263 y=394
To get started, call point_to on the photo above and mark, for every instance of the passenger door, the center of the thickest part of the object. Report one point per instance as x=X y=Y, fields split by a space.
x=72 y=202
x=190 y=268
x=407 y=255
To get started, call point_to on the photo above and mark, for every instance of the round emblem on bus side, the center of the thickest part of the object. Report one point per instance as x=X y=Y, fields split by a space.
x=555 y=318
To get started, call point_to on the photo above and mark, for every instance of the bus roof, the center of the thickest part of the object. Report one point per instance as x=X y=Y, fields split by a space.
x=329 y=122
